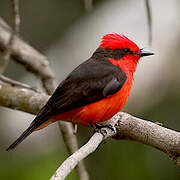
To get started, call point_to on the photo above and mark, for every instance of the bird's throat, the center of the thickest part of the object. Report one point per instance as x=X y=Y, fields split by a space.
x=127 y=63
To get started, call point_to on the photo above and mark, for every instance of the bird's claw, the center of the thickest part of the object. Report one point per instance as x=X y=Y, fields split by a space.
x=75 y=128
x=99 y=127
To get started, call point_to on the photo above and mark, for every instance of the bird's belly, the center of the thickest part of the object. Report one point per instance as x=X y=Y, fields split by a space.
x=99 y=111
x=104 y=109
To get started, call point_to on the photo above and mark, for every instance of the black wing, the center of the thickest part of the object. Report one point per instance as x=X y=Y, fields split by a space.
x=88 y=83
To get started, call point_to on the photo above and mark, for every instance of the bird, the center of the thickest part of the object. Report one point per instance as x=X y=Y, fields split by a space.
x=95 y=90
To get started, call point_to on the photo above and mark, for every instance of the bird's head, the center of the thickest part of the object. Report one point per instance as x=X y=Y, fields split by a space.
x=121 y=48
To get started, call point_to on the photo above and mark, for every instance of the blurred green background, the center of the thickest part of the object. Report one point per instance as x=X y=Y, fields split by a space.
x=68 y=34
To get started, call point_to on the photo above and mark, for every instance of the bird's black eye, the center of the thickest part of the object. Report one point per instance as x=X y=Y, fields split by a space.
x=126 y=50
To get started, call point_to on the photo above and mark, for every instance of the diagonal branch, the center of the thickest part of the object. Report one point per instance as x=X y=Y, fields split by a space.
x=16 y=24
x=26 y=55
x=16 y=83
x=21 y=99
x=70 y=163
x=149 y=19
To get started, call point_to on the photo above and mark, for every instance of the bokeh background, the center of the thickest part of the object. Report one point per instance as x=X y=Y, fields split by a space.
x=68 y=34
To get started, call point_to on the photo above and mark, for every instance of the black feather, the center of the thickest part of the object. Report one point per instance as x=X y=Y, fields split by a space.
x=35 y=124
x=26 y=133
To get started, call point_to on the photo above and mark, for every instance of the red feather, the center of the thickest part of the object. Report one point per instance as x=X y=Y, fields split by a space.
x=114 y=41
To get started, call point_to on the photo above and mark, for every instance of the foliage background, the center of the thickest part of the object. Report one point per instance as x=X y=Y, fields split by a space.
x=68 y=34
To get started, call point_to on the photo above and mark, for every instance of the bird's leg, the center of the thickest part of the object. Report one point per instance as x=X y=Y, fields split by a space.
x=98 y=127
x=75 y=128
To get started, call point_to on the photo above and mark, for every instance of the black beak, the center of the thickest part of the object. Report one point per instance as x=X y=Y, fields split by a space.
x=144 y=53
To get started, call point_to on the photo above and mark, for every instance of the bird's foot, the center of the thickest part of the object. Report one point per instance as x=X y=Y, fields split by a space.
x=100 y=127
x=75 y=128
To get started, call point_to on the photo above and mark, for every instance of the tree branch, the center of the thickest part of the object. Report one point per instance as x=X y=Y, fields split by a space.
x=88 y=4
x=21 y=99
x=38 y=64
x=129 y=128
x=16 y=24
x=16 y=83
x=24 y=54
x=82 y=172
x=16 y=16
x=149 y=19
x=68 y=165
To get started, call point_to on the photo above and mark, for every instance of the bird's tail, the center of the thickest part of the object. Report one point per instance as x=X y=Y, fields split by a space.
x=41 y=121
x=25 y=134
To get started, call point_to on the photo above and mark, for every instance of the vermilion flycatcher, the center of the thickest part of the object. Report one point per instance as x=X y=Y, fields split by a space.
x=94 y=91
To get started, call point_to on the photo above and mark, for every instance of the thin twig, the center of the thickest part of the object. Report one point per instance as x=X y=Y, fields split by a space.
x=16 y=15
x=88 y=4
x=17 y=83
x=149 y=18
x=16 y=24
x=69 y=138
x=70 y=163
